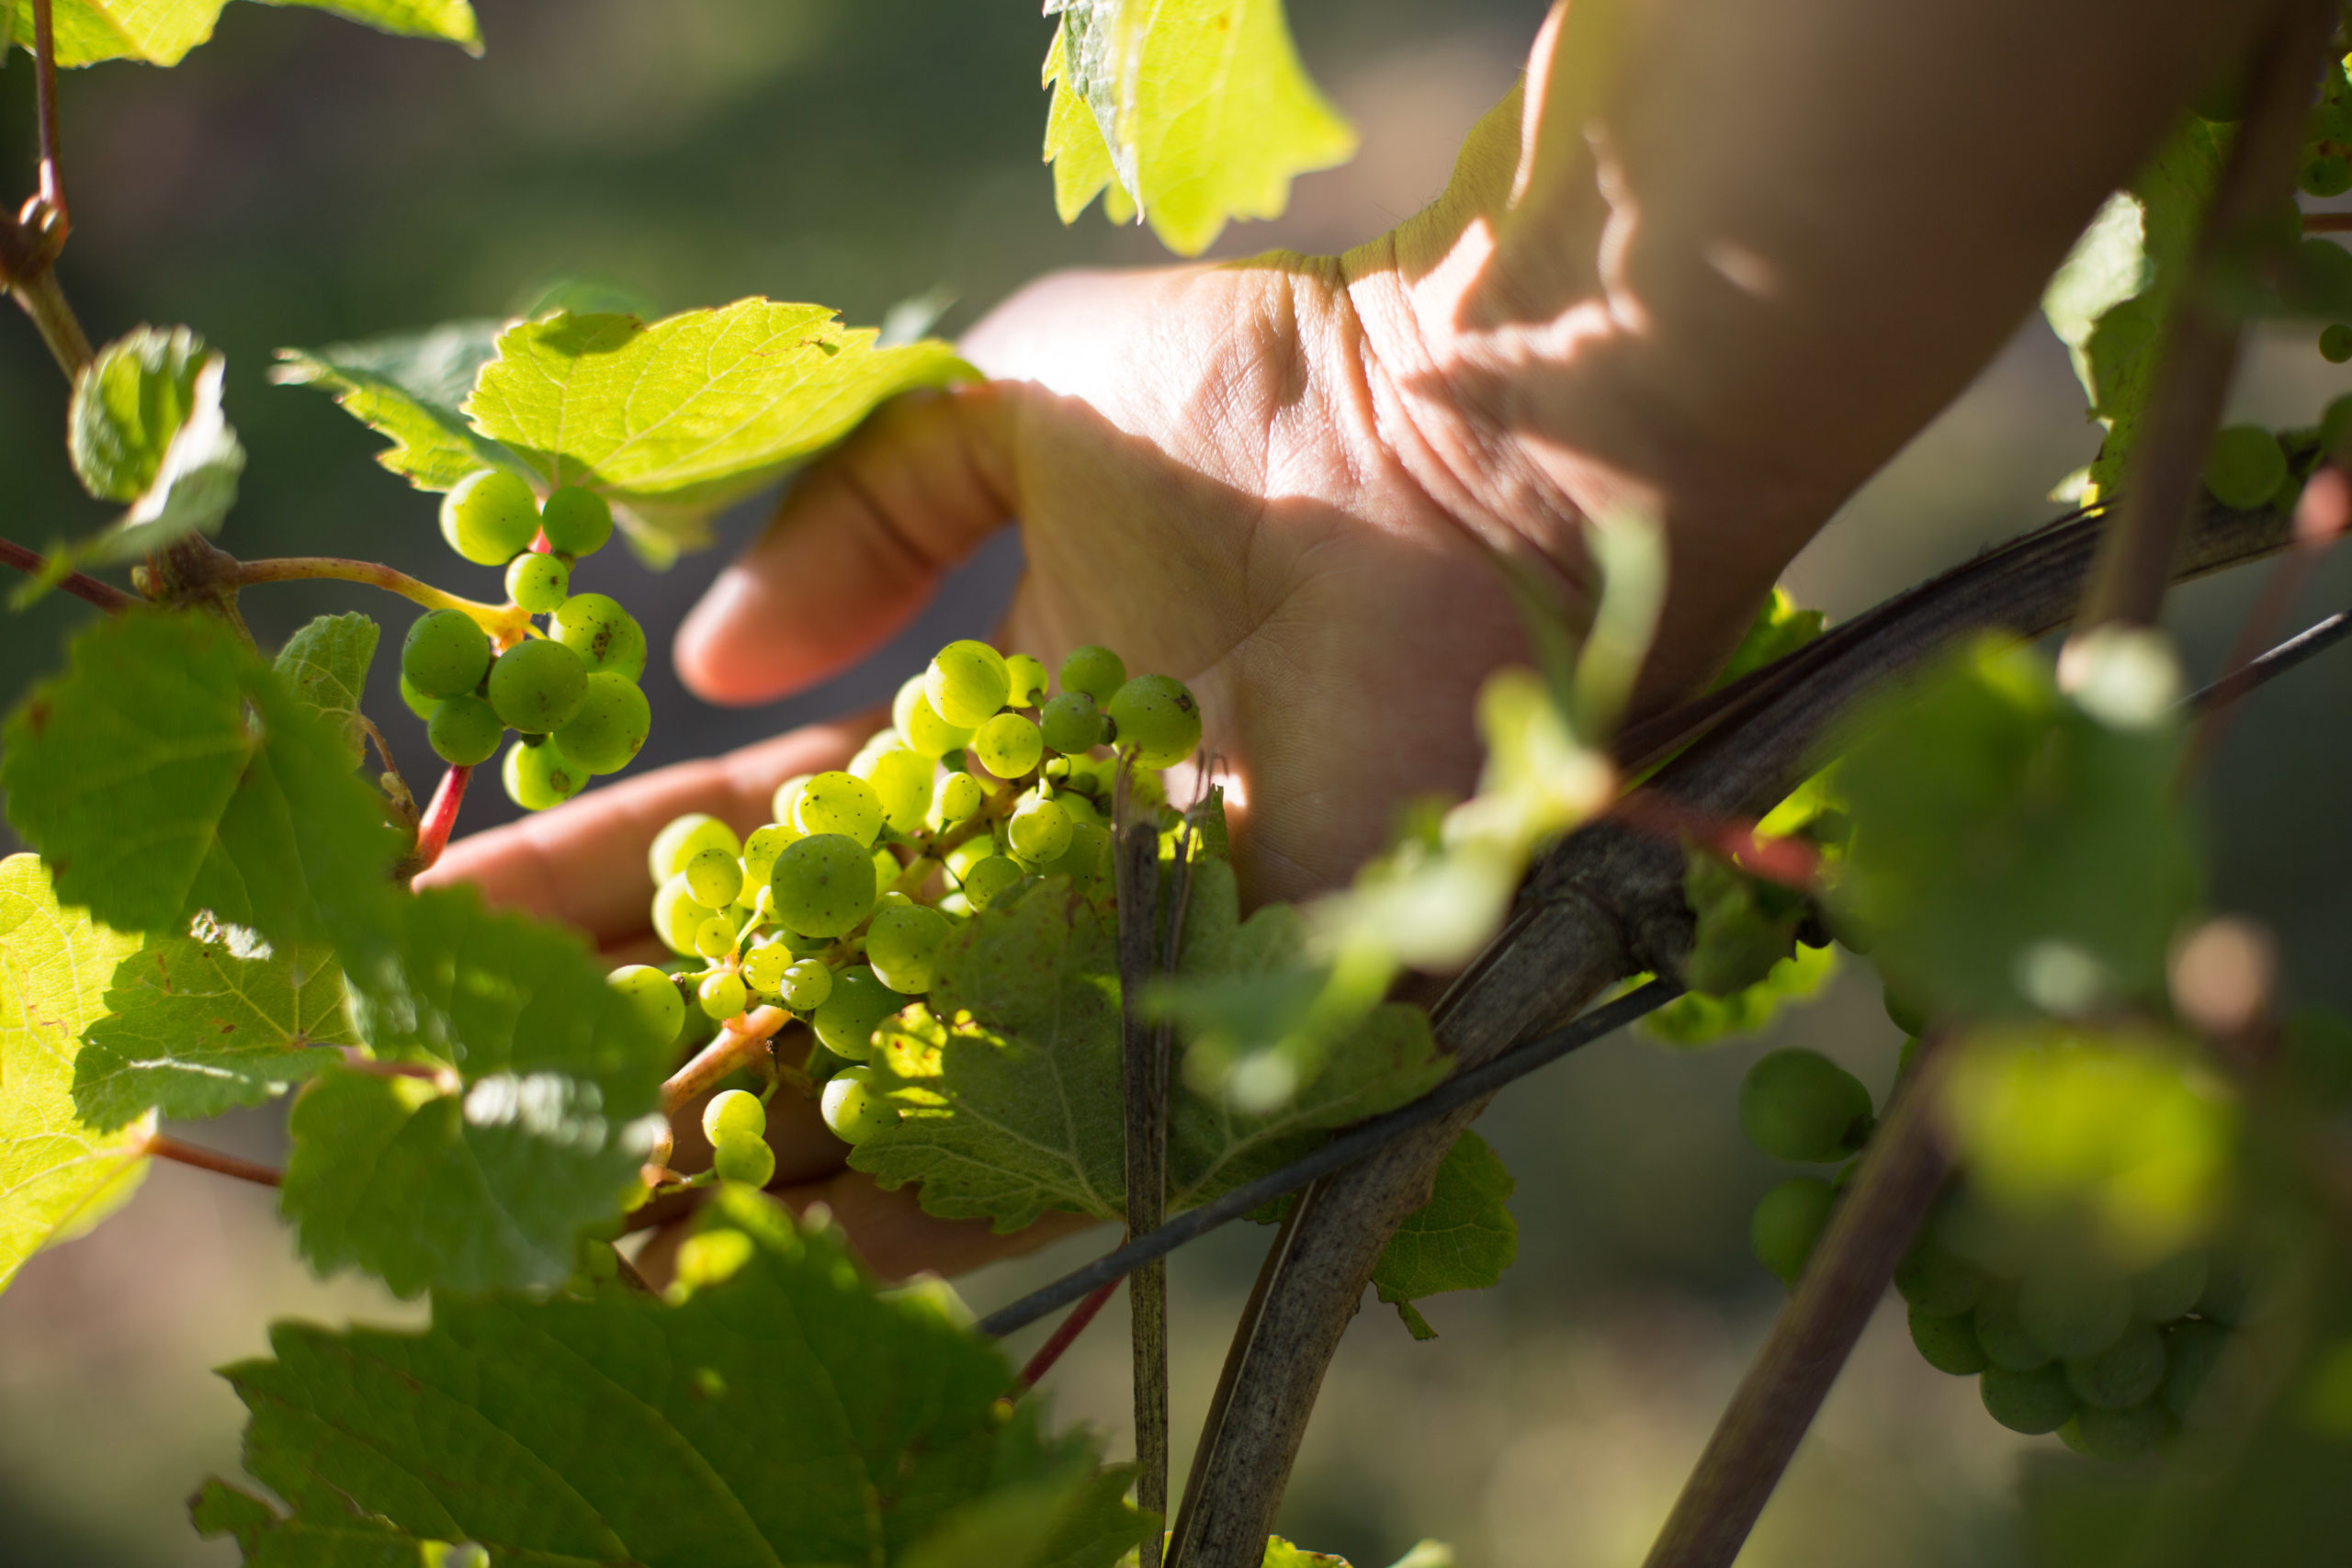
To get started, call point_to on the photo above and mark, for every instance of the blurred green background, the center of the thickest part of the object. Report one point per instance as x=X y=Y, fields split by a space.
x=302 y=181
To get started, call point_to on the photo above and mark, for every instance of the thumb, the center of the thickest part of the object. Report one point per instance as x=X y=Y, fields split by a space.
x=856 y=548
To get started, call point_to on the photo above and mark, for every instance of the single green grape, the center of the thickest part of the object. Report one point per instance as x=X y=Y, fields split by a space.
x=2335 y=425
x=886 y=871
x=989 y=877
x=2123 y=1375
x=1156 y=717
x=676 y=916
x=538 y=583
x=2073 y=1310
x=1787 y=1221
x=684 y=836
x=1026 y=677
x=489 y=517
x=854 y=1108
x=577 y=521
x=2192 y=1350
x=1939 y=1282
x=2245 y=466
x=824 y=884
x=2326 y=175
x=762 y=848
x=2033 y=1401
x=967 y=683
x=652 y=996
x=1095 y=670
x=746 y=1158
x=609 y=729
x=2117 y=1435
x=723 y=996
x=902 y=783
x=1087 y=855
x=1073 y=723
x=1009 y=746
x=733 y=1112
x=902 y=944
x=1948 y=1344
x=605 y=636
x=538 y=775
x=919 y=724
x=839 y=803
x=967 y=854
x=2003 y=1334
x=1799 y=1105
x=765 y=966
x=2335 y=342
x=444 y=654
x=806 y=985
x=714 y=876
x=464 y=732
x=846 y=1019
x=417 y=702
x=954 y=800
x=1039 y=828
x=2168 y=1289
x=715 y=936
x=536 y=686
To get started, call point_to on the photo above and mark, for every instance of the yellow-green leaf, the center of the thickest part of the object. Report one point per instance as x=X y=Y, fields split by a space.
x=57 y=1177
x=160 y=32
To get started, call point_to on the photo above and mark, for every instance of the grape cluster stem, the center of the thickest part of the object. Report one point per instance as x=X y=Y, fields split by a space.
x=1067 y=1333
x=440 y=820
x=504 y=623
x=162 y=1147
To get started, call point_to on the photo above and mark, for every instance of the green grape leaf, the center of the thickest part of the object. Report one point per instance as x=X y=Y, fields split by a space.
x=160 y=32
x=325 y=666
x=1014 y=1108
x=1077 y=1517
x=1692 y=1019
x=538 y=1101
x=786 y=1416
x=169 y=771
x=1781 y=627
x=128 y=403
x=1194 y=111
x=202 y=1022
x=2011 y=851
x=411 y=386
x=672 y=421
x=1462 y=1239
x=58 y=1176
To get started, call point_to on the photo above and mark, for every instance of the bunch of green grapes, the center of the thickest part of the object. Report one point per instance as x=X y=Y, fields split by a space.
x=837 y=909
x=569 y=688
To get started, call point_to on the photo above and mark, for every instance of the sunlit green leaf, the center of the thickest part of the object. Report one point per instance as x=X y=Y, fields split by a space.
x=325 y=666
x=450 y=20
x=58 y=1176
x=411 y=386
x=160 y=32
x=1692 y=1019
x=129 y=401
x=1781 y=627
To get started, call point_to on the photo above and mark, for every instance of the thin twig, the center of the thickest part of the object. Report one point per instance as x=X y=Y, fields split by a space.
x=440 y=818
x=1842 y=1284
x=37 y=291
x=53 y=179
x=2200 y=348
x=2328 y=223
x=1067 y=1334
x=2312 y=640
x=213 y=1160
x=1144 y=1089
x=357 y=1059
x=739 y=1044
x=104 y=595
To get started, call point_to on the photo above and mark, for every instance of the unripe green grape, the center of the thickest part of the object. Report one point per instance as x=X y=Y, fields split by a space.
x=2192 y=1350
x=1009 y=746
x=887 y=872
x=489 y=517
x=1948 y=1344
x=765 y=966
x=747 y=1159
x=901 y=945
x=967 y=683
x=733 y=1112
x=1787 y=1221
x=1073 y=723
x=1904 y=1012
x=683 y=837
x=715 y=937
x=926 y=733
x=2007 y=1343
x=1026 y=679
x=2335 y=425
x=605 y=636
x=538 y=775
x=762 y=848
x=806 y=985
x=444 y=654
x=610 y=728
x=2123 y=1375
x=464 y=732
x=1799 y=1105
x=467 y=1553
x=901 y=782
x=846 y=1019
x=1094 y=669
x=536 y=686
x=417 y=702
x=1087 y=855
x=538 y=583
x=676 y=916
x=2117 y=1435
x=2243 y=466
x=2168 y=1289
x=838 y=803
x=788 y=793
x=854 y=1108
x=989 y=877
x=1156 y=717
x=715 y=877
x=724 y=996
x=954 y=800
x=652 y=996
x=824 y=884
x=2335 y=342
x=2033 y=1403
x=967 y=854
x=1039 y=830
x=2326 y=175
x=577 y=521
x=1938 y=1283
x=2074 y=1311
